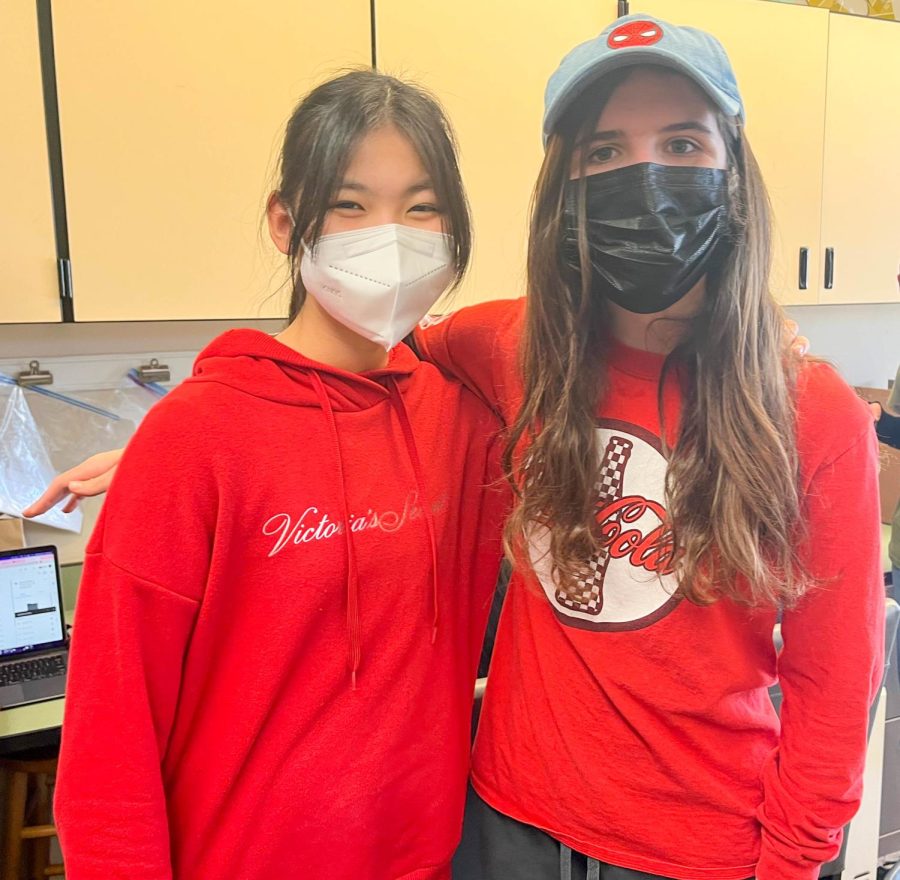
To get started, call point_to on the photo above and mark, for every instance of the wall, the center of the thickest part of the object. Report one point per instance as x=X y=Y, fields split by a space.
x=30 y=341
x=863 y=341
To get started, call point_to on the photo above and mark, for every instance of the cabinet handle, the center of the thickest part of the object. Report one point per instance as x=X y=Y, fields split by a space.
x=804 y=268
x=64 y=268
x=829 y=268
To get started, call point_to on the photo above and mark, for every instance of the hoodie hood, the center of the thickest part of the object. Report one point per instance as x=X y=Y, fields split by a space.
x=256 y=363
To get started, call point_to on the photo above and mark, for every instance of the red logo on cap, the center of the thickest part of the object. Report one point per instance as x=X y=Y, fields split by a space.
x=635 y=33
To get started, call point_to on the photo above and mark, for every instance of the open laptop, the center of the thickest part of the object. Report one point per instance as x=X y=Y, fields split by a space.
x=34 y=651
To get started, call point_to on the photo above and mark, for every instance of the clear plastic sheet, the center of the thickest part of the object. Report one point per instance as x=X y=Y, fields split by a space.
x=25 y=466
x=71 y=434
x=41 y=436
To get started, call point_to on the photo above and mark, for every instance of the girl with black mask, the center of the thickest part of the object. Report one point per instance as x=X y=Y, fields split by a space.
x=681 y=477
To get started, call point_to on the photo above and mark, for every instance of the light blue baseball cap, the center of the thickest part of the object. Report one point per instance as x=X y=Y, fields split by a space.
x=642 y=39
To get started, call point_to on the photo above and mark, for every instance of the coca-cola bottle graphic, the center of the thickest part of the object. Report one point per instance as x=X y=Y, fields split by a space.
x=588 y=597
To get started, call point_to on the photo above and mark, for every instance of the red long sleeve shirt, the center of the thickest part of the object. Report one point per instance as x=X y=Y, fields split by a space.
x=637 y=728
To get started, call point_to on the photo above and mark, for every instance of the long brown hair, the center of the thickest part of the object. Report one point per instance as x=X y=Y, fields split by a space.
x=732 y=498
x=322 y=134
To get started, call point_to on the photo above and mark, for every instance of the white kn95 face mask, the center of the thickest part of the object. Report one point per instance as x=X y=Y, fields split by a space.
x=380 y=281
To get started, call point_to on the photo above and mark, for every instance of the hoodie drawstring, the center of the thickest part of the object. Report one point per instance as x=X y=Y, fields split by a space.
x=353 y=630
x=353 y=627
x=403 y=416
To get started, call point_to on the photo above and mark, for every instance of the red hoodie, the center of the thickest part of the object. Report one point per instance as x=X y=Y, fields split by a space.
x=637 y=728
x=213 y=729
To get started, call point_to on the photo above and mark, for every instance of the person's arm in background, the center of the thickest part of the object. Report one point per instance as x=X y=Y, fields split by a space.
x=887 y=425
x=144 y=576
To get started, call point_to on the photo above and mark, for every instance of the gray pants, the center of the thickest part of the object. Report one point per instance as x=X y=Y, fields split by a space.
x=495 y=847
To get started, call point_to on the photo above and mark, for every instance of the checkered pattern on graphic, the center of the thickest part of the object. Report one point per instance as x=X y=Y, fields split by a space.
x=589 y=596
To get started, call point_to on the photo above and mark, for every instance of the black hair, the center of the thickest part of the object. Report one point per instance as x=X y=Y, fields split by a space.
x=322 y=134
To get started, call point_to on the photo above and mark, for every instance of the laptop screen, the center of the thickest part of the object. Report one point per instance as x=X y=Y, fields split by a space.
x=30 y=613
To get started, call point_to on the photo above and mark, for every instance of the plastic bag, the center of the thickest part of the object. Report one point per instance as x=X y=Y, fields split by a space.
x=25 y=466
x=71 y=434
x=43 y=432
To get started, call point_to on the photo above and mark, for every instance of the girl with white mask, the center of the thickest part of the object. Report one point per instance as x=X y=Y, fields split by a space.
x=293 y=635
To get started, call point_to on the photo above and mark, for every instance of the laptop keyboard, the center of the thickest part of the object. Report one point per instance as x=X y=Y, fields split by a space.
x=32 y=670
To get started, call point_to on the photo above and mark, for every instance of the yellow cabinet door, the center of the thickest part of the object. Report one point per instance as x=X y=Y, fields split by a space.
x=780 y=55
x=861 y=202
x=28 y=281
x=171 y=115
x=488 y=63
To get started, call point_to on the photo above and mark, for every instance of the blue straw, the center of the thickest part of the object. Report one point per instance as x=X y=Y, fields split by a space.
x=72 y=401
x=155 y=387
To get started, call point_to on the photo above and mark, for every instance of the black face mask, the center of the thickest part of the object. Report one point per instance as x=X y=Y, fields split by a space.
x=653 y=232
